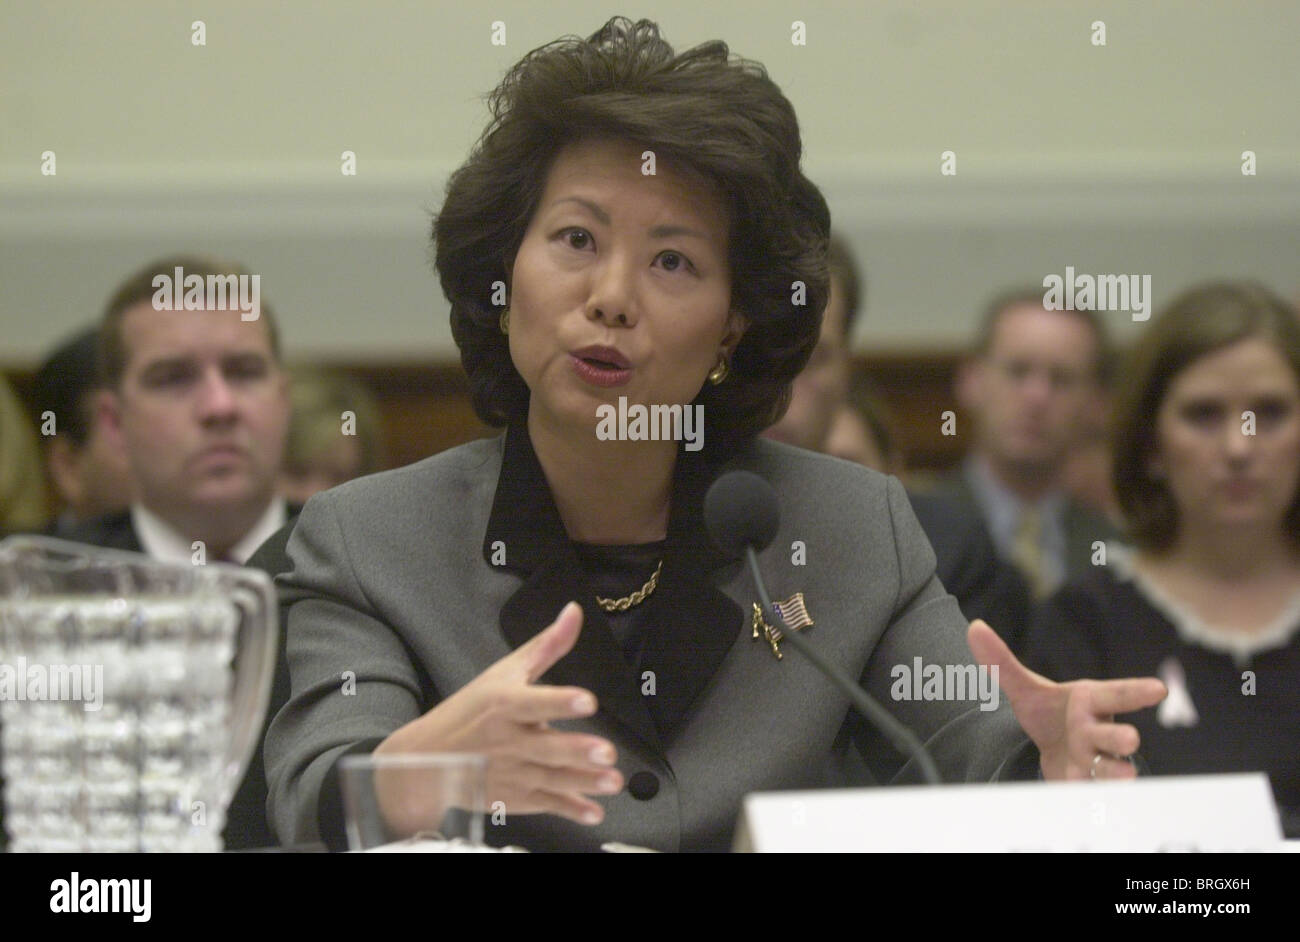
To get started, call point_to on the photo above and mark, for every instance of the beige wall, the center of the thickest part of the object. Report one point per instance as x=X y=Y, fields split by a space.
x=1119 y=159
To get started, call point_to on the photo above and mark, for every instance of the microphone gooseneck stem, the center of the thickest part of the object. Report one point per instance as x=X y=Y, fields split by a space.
x=902 y=738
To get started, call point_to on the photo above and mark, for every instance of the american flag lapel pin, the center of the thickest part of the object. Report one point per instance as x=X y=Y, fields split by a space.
x=796 y=616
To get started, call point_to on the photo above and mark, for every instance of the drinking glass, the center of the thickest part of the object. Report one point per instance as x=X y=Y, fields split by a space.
x=426 y=801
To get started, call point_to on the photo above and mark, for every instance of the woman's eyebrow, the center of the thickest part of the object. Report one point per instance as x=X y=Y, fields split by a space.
x=664 y=232
x=591 y=207
x=658 y=232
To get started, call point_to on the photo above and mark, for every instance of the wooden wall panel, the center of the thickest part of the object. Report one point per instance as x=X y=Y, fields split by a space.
x=426 y=406
x=916 y=389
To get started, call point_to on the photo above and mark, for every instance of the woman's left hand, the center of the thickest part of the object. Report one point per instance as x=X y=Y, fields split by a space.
x=1071 y=723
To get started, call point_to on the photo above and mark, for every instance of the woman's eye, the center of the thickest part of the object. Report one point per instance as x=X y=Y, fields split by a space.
x=1272 y=411
x=577 y=238
x=674 y=261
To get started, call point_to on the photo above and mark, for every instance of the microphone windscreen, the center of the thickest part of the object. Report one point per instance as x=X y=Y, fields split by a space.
x=740 y=509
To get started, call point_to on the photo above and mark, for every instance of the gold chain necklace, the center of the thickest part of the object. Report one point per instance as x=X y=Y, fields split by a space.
x=636 y=598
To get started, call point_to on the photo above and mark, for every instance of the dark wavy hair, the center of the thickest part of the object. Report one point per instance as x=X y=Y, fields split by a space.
x=1200 y=321
x=706 y=110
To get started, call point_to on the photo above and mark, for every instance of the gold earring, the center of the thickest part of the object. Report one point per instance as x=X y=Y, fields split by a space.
x=719 y=372
x=505 y=321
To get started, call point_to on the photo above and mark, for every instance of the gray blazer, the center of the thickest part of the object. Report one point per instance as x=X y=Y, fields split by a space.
x=394 y=579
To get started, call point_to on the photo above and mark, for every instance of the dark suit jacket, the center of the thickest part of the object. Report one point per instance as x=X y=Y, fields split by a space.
x=393 y=580
x=246 y=825
x=1082 y=526
x=969 y=567
x=111 y=531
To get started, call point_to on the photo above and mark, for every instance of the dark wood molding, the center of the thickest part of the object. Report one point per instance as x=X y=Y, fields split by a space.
x=426 y=406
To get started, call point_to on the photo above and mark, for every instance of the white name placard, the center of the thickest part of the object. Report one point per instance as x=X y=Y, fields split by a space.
x=1156 y=813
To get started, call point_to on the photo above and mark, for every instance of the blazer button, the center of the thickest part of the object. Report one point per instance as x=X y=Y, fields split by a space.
x=643 y=785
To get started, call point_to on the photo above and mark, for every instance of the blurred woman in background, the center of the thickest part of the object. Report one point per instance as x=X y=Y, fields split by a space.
x=334 y=433
x=1207 y=472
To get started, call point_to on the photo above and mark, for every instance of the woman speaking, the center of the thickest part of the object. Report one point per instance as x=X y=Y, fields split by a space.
x=633 y=232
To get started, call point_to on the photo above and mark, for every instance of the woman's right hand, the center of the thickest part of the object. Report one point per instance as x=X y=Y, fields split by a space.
x=503 y=714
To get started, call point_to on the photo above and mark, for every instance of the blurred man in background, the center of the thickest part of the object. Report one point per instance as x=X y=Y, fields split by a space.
x=1032 y=386
x=821 y=388
x=821 y=417
x=88 y=471
x=198 y=402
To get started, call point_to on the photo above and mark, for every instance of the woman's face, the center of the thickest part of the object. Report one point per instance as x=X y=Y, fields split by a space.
x=621 y=286
x=1219 y=473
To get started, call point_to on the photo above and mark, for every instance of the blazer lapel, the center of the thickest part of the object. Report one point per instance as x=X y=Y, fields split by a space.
x=595 y=662
x=111 y=531
x=694 y=623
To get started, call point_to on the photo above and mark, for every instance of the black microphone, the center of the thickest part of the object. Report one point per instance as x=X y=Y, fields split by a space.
x=742 y=514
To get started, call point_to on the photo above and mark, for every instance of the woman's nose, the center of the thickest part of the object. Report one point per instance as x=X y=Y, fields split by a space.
x=1239 y=437
x=611 y=300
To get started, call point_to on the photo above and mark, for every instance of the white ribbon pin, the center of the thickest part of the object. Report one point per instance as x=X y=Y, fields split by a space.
x=1176 y=709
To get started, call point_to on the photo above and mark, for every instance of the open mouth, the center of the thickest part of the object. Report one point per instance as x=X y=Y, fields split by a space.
x=603 y=357
x=601 y=366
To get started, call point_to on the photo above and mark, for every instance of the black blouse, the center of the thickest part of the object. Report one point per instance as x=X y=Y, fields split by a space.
x=1234 y=703
x=614 y=572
